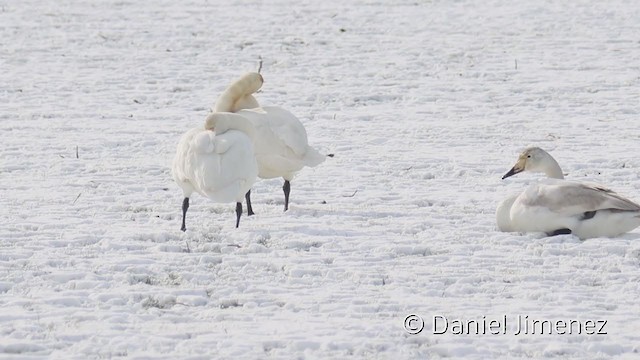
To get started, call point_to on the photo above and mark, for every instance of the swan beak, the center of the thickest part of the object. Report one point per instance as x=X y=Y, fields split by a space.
x=514 y=170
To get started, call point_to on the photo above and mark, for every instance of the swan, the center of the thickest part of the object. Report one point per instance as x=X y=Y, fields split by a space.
x=216 y=161
x=280 y=142
x=281 y=146
x=556 y=206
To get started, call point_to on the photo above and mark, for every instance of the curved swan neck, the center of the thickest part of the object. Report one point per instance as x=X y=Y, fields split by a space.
x=221 y=122
x=246 y=85
x=552 y=169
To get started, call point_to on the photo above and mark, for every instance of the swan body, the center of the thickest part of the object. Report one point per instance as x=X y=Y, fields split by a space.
x=556 y=206
x=503 y=213
x=280 y=141
x=216 y=161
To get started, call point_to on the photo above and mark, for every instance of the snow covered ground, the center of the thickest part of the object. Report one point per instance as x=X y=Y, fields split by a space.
x=426 y=104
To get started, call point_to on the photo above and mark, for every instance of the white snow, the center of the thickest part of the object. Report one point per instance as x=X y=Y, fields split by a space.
x=426 y=104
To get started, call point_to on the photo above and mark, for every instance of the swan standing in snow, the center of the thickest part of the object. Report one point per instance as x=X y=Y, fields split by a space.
x=281 y=144
x=216 y=161
x=556 y=206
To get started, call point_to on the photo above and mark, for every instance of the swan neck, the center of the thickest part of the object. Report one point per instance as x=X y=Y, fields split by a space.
x=236 y=122
x=553 y=170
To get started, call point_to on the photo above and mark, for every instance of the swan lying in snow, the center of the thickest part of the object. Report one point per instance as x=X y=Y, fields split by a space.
x=556 y=206
x=216 y=161
x=281 y=145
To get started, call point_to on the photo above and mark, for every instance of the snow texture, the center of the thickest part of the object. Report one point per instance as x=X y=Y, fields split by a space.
x=426 y=104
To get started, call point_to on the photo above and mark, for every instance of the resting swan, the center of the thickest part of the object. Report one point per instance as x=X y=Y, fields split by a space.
x=556 y=206
x=216 y=161
x=281 y=144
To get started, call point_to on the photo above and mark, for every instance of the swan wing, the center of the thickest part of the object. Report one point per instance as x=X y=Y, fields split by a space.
x=569 y=198
x=280 y=127
x=288 y=128
x=292 y=136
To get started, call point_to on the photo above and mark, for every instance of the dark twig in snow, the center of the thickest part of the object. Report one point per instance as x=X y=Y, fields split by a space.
x=260 y=64
x=77 y=197
x=77 y=155
x=352 y=195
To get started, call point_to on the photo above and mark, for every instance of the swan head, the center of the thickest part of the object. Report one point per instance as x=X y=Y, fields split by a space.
x=256 y=80
x=211 y=121
x=534 y=159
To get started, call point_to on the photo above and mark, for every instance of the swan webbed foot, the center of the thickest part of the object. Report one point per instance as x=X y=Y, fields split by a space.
x=560 y=232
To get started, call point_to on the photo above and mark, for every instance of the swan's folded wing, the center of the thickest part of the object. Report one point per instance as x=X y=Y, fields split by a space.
x=293 y=136
x=572 y=198
x=203 y=142
x=287 y=128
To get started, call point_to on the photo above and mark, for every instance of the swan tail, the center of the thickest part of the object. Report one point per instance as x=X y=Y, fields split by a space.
x=313 y=157
x=238 y=95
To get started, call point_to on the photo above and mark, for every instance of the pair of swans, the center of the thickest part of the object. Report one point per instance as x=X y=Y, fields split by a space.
x=281 y=144
x=240 y=142
x=556 y=206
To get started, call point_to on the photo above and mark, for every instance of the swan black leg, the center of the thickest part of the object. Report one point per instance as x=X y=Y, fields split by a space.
x=185 y=207
x=287 y=189
x=560 y=232
x=249 y=208
x=238 y=213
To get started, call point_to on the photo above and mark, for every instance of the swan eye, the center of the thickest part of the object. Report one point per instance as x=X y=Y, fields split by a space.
x=529 y=156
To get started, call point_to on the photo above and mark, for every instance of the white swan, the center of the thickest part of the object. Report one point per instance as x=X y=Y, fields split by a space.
x=556 y=206
x=216 y=161
x=281 y=144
